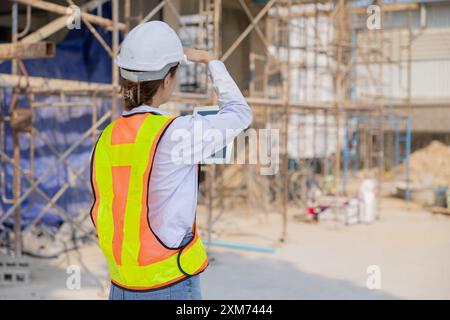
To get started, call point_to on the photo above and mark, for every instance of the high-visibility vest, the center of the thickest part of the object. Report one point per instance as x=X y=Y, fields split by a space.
x=121 y=166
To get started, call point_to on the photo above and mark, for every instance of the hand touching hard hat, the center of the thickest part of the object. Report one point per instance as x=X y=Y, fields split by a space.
x=151 y=49
x=196 y=55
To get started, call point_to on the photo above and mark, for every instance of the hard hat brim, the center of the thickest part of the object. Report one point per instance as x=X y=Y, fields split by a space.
x=140 y=76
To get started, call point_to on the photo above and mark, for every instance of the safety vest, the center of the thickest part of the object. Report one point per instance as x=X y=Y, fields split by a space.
x=121 y=166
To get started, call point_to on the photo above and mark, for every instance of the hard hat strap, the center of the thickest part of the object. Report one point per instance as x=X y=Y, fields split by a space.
x=139 y=93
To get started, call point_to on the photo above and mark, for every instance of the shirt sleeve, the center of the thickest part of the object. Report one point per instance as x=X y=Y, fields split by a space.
x=195 y=138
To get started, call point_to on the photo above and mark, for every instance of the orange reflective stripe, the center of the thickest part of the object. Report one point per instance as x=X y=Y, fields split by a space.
x=120 y=179
x=126 y=128
x=150 y=250
x=121 y=170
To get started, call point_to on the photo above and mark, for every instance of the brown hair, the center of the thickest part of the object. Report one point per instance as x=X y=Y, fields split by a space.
x=135 y=94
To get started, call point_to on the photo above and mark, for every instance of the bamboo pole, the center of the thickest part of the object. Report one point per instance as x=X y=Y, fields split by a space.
x=38 y=190
x=57 y=24
x=115 y=50
x=16 y=195
x=381 y=112
x=338 y=101
x=44 y=175
x=39 y=84
x=94 y=32
x=244 y=34
x=56 y=8
x=286 y=112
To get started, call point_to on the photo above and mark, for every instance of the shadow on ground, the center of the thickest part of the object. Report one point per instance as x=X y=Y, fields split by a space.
x=234 y=276
x=231 y=275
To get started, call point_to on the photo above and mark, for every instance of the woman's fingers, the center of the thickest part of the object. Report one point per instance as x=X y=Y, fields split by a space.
x=193 y=54
x=188 y=52
x=196 y=55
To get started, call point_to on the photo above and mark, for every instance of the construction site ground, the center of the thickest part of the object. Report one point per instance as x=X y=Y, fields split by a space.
x=323 y=261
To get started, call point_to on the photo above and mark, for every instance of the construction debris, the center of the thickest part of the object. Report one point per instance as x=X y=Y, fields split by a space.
x=429 y=166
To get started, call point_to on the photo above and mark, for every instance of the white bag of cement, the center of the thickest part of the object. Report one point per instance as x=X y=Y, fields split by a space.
x=367 y=192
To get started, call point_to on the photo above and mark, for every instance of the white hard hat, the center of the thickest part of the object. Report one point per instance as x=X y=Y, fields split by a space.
x=149 y=51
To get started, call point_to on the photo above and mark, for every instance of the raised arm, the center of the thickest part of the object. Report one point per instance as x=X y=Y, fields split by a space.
x=201 y=132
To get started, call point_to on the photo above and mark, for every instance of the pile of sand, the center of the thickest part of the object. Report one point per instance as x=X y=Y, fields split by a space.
x=430 y=166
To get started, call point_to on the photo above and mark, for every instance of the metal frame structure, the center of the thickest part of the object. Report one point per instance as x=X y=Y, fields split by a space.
x=271 y=91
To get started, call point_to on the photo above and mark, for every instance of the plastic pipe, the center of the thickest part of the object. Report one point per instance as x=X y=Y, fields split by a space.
x=240 y=246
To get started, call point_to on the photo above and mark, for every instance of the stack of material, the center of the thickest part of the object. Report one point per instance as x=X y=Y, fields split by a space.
x=430 y=166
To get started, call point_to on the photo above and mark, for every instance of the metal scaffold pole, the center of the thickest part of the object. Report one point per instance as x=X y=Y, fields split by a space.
x=115 y=50
x=286 y=116
x=301 y=67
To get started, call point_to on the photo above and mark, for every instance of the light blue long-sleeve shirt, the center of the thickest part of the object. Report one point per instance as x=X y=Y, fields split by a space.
x=173 y=185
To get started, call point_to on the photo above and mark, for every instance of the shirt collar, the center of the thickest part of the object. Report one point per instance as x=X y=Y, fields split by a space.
x=145 y=108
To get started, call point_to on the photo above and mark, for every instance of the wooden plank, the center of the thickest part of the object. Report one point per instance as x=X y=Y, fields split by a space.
x=391 y=7
x=38 y=84
x=387 y=7
x=57 y=24
x=27 y=50
x=441 y=210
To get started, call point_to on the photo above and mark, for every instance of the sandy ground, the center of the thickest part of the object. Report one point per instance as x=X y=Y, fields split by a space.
x=326 y=261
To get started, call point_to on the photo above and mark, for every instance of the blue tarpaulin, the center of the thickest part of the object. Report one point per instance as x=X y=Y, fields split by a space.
x=78 y=57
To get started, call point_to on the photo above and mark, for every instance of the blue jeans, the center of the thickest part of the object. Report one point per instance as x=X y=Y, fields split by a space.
x=188 y=289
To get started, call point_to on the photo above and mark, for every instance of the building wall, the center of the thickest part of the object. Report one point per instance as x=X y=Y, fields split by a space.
x=430 y=66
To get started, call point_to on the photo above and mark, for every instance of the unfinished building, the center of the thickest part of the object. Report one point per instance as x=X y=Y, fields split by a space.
x=342 y=81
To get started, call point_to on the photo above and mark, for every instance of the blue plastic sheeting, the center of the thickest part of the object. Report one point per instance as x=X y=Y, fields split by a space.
x=78 y=57
x=60 y=128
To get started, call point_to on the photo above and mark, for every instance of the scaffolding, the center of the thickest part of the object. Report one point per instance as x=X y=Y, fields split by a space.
x=317 y=70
